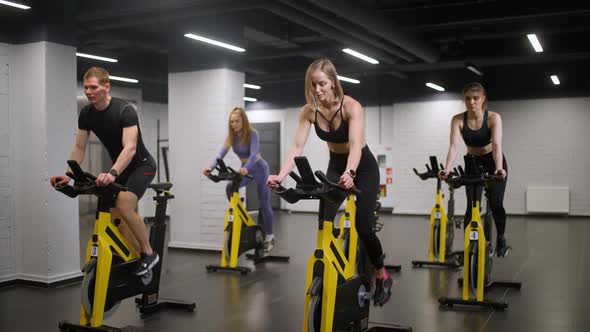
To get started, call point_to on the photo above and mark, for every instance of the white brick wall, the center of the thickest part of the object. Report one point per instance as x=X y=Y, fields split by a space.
x=546 y=145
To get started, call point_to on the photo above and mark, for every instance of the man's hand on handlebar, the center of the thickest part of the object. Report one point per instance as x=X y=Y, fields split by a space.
x=59 y=180
x=104 y=179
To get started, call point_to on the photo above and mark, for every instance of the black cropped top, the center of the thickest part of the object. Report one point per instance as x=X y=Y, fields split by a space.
x=477 y=138
x=339 y=135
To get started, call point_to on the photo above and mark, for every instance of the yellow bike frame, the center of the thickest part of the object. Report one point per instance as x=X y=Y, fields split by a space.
x=475 y=227
x=237 y=215
x=438 y=210
x=336 y=265
x=106 y=238
x=348 y=221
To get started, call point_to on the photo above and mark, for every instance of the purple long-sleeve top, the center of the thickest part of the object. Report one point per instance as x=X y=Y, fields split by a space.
x=244 y=151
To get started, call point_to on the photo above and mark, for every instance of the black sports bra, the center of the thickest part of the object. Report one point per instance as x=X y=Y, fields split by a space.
x=477 y=138
x=339 y=135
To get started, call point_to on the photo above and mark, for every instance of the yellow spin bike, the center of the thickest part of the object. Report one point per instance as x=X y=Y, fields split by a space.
x=442 y=232
x=110 y=260
x=337 y=296
x=477 y=260
x=240 y=232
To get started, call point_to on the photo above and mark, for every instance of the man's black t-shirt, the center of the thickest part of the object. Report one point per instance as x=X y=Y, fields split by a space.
x=108 y=126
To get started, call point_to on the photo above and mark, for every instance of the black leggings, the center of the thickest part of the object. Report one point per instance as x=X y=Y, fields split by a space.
x=496 y=189
x=366 y=180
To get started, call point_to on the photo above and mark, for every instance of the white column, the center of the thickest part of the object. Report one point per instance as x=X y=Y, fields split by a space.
x=199 y=103
x=7 y=268
x=43 y=118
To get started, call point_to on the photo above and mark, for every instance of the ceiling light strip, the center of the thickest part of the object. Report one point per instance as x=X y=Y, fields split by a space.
x=214 y=42
x=435 y=87
x=535 y=42
x=123 y=79
x=348 y=79
x=96 y=57
x=252 y=86
x=360 y=56
x=14 y=4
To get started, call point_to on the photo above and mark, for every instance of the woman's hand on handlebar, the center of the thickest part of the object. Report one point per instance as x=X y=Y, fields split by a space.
x=274 y=181
x=443 y=175
x=243 y=171
x=346 y=181
x=500 y=174
x=206 y=171
x=59 y=180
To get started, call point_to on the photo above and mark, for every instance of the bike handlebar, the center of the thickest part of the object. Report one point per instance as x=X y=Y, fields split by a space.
x=433 y=170
x=226 y=173
x=320 y=175
x=472 y=180
x=426 y=175
x=307 y=187
x=85 y=183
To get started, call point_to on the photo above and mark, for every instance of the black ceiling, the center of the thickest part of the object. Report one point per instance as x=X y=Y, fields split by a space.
x=415 y=41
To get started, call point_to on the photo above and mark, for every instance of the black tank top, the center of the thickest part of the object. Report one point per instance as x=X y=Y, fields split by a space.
x=476 y=138
x=339 y=135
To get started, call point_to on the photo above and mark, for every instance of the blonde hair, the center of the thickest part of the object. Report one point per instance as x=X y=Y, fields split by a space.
x=476 y=86
x=100 y=73
x=328 y=68
x=246 y=131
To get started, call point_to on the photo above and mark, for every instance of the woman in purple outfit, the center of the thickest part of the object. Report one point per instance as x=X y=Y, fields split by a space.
x=244 y=141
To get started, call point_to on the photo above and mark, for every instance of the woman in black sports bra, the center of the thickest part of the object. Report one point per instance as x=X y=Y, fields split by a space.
x=482 y=133
x=338 y=120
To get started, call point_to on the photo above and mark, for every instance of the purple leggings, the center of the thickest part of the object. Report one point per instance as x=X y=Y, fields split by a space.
x=260 y=173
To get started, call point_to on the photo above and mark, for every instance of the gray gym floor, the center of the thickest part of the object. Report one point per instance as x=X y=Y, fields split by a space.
x=550 y=257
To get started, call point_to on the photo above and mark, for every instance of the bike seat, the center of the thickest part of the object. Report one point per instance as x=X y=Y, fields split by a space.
x=163 y=186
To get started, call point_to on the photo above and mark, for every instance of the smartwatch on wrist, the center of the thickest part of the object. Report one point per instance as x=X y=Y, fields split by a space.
x=352 y=173
x=114 y=173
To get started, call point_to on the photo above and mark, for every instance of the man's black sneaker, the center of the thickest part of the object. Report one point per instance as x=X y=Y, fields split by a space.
x=146 y=263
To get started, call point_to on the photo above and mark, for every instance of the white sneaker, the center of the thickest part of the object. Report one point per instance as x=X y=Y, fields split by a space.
x=269 y=242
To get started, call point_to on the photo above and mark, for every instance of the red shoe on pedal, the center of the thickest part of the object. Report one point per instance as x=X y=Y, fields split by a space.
x=382 y=289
